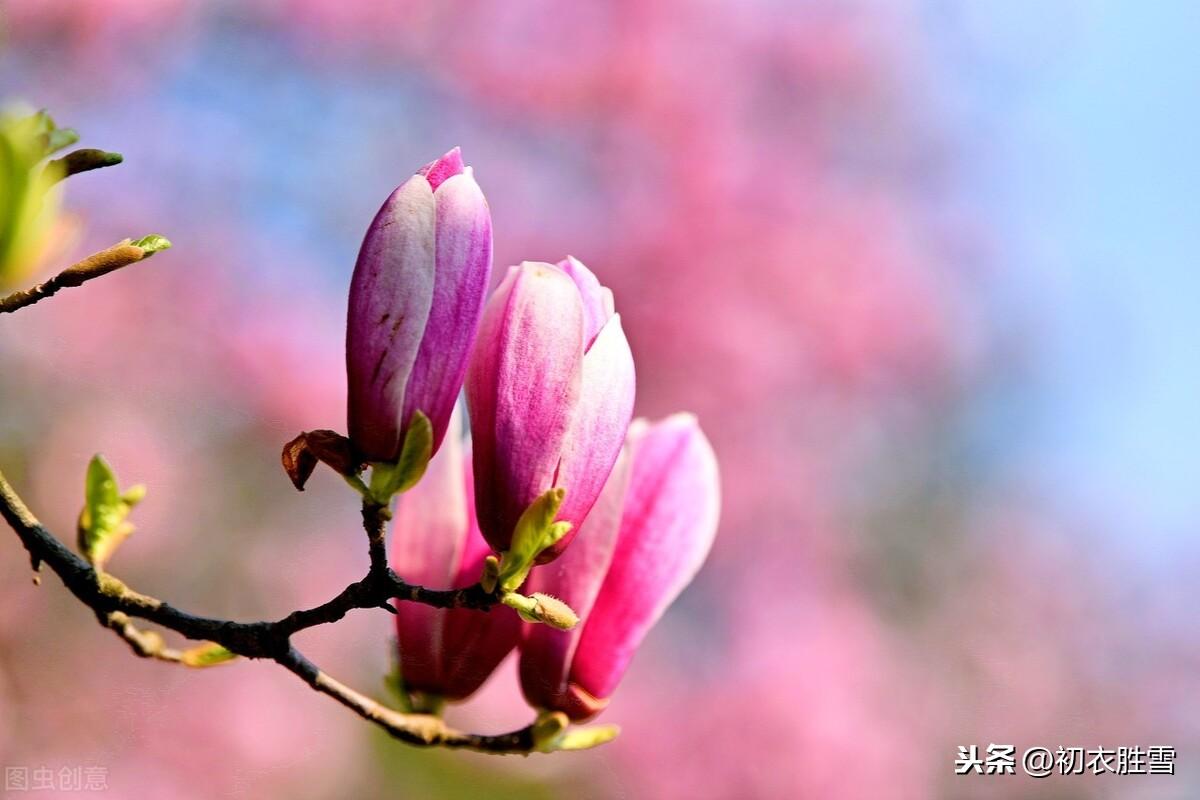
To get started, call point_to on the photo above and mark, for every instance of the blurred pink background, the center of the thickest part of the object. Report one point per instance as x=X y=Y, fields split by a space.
x=789 y=202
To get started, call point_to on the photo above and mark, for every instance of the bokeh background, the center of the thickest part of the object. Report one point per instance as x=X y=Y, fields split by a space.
x=925 y=269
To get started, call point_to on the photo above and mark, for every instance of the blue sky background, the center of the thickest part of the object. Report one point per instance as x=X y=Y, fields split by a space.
x=1080 y=140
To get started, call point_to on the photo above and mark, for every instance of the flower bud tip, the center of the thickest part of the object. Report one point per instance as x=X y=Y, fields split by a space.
x=554 y=612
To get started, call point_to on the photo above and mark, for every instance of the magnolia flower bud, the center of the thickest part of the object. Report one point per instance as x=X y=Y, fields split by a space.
x=550 y=390
x=415 y=301
x=445 y=652
x=649 y=533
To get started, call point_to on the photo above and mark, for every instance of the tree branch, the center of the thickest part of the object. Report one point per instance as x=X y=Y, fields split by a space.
x=115 y=604
x=121 y=254
x=419 y=729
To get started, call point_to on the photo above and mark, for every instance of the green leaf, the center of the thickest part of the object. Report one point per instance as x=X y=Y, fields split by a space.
x=536 y=530
x=151 y=244
x=587 y=738
x=102 y=522
x=416 y=452
x=390 y=479
x=548 y=728
x=551 y=733
x=28 y=207
x=134 y=494
x=208 y=654
x=52 y=137
x=101 y=489
x=59 y=138
x=40 y=122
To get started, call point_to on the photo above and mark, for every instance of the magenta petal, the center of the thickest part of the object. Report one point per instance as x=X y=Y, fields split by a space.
x=597 y=300
x=599 y=427
x=575 y=578
x=427 y=547
x=449 y=165
x=667 y=529
x=446 y=652
x=463 y=259
x=474 y=642
x=473 y=645
x=390 y=297
x=523 y=384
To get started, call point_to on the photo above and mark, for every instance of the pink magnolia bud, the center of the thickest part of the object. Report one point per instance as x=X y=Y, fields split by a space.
x=415 y=301
x=649 y=533
x=445 y=652
x=550 y=390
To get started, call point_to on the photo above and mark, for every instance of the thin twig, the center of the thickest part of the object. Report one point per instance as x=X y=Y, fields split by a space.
x=375 y=519
x=147 y=644
x=121 y=254
x=115 y=603
x=419 y=729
